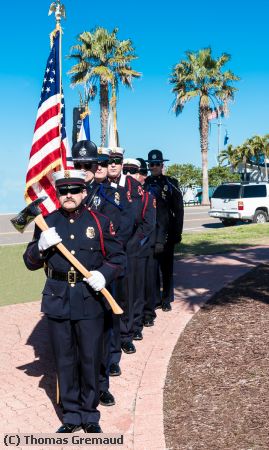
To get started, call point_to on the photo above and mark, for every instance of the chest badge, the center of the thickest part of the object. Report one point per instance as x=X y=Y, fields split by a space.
x=90 y=232
x=96 y=201
x=165 y=188
x=117 y=198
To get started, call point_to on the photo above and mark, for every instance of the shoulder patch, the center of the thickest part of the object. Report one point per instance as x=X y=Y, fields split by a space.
x=140 y=190
x=128 y=195
x=111 y=229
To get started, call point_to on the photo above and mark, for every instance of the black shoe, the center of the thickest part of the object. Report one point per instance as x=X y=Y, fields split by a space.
x=148 y=322
x=69 y=428
x=158 y=306
x=128 y=347
x=92 y=428
x=138 y=336
x=166 y=307
x=106 y=398
x=114 y=370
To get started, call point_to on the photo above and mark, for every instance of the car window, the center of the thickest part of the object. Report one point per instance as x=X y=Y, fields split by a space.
x=254 y=191
x=227 y=191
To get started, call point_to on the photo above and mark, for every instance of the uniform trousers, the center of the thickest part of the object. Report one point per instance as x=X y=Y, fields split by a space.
x=126 y=299
x=106 y=354
x=77 y=347
x=123 y=325
x=139 y=292
x=150 y=288
x=165 y=267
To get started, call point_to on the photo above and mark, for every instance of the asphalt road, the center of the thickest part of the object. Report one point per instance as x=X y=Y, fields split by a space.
x=196 y=219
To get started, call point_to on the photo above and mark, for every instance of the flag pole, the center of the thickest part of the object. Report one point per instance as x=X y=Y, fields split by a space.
x=59 y=10
x=219 y=132
x=113 y=103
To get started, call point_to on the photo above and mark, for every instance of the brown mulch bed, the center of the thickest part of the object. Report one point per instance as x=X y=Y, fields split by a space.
x=217 y=386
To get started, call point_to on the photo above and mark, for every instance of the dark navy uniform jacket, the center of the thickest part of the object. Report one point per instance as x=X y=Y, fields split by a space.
x=143 y=213
x=113 y=203
x=94 y=244
x=169 y=206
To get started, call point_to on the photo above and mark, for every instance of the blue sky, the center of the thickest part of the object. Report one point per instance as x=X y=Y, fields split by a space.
x=161 y=34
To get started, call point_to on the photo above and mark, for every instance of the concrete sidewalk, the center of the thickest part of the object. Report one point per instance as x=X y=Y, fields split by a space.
x=27 y=377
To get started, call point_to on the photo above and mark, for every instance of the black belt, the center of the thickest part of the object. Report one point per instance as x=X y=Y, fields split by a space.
x=72 y=276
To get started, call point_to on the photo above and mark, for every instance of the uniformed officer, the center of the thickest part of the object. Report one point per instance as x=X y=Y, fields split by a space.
x=170 y=213
x=134 y=194
x=73 y=305
x=113 y=203
x=149 y=313
x=140 y=251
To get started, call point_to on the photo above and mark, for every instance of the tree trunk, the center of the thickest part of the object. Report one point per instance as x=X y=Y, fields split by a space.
x=203 y=128
x=104 y=109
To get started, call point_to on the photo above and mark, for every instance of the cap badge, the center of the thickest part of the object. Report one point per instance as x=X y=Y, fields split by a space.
x=154 y=156
x=99 y=151
x=67 y=174
x=90 y=233
x=82 y=151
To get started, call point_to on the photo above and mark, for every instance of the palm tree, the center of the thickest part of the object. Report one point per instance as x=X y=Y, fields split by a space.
x=260 y=146
x=246 y=154
x=101 y=58
x=231 y=155
x=201 y=76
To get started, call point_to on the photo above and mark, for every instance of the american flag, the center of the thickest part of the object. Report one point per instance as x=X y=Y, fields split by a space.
x=50 y=150
x=213 y=114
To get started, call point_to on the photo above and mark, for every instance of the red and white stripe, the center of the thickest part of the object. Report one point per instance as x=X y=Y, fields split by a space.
x=48 y=153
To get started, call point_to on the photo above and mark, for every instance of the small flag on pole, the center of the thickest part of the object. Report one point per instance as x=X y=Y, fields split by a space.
x=50 y=150
x=226 y=138
x=84 y=132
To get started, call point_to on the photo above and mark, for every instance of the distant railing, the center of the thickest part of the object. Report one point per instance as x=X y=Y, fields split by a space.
x=192 y=203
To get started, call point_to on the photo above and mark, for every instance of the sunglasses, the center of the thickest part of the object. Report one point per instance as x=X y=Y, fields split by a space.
x=103 y=163
x=85 y=166
x=115 y=161
x=63 y=190
x=152 y=164
x=130 y=170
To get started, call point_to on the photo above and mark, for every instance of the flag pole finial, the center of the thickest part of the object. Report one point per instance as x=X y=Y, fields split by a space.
x=59 y=10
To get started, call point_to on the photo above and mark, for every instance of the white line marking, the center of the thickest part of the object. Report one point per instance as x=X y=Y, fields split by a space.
x=15 y=232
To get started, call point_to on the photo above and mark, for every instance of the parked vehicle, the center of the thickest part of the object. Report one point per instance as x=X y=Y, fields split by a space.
x=245 y=202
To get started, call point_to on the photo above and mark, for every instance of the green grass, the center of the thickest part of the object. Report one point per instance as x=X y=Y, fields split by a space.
x=223 y=239
x=18 y=284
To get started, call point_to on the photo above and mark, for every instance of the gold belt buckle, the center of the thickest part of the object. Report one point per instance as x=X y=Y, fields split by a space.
x=72 y=277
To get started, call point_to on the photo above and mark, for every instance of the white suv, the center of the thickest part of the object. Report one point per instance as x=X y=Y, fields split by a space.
x=247 y=202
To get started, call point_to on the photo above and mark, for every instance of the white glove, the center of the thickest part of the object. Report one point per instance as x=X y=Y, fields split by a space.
x=97 y=280
x=48 y=238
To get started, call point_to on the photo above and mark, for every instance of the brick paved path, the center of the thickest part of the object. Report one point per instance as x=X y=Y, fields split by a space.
x=27 y=377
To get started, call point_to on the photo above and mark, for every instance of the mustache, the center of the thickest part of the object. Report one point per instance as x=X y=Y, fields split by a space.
x=70 y=200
